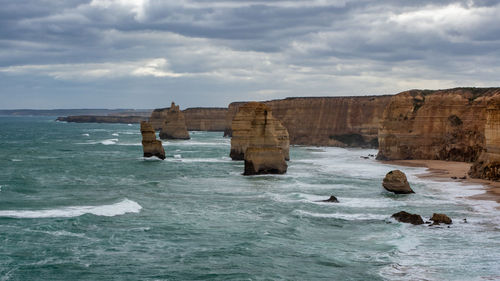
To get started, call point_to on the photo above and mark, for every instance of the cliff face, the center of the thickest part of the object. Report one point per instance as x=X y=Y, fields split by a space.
x=197 y=119
x=254 y=126
x=488 y=164
x=435 y=125
x=327 y=121
x=174 y=124
x=205 y=119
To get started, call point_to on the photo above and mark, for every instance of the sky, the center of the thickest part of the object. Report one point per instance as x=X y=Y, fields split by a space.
x=147 y=53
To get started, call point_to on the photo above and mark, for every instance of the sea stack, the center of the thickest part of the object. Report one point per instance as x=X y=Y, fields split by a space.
x=395 y=181
x=174 y=125
x=264 y=160
x=150 y=145
x=254 y=126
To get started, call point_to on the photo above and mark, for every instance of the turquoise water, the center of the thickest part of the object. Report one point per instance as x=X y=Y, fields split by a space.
x=78 y=202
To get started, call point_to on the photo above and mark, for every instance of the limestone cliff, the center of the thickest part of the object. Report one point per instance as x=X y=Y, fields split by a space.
x=174 y=124
x=435 y=125
x=255 y=126
x=327 y=121
x=205 y=119
x=150 y=145
x=488 y=164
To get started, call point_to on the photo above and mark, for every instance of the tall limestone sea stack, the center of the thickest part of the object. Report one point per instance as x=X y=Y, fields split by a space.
x=150 y=145
x=260 y=140
x=174 y=124
x=254 y=126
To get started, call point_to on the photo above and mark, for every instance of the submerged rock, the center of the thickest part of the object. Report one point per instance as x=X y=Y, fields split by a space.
x=408 y=218
x=395 y=181
x=440 y=218
x=332 y=199
x=255 y=126
x=150 y=145
x=174 y=125
x=264 y=160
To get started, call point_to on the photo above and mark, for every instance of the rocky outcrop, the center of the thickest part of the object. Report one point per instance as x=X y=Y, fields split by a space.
x=205 y=119
x=395 y=181
x=440 y=218
x=436 y=125
x=174 y=124
x=150 y=145
x=327 y=121
x=264 y=160
x=488 y=164
x=103 y=119
x=332 y=199
x=254 y=126
x=408 y=218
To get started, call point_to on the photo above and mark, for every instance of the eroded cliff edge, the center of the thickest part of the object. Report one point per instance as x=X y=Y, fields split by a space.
x=435 y=125
x=326 y=121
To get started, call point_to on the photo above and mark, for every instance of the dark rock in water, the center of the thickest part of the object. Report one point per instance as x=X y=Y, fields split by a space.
x=408 y=218
x=364 y=157
x=463 y=178
x=332 y=199
x=395 y=181
x=150 y=145
x=454 y=178
x=440 y=218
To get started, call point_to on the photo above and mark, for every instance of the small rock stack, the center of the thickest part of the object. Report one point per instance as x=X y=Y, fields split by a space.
x=150 y=145
x=174 y=125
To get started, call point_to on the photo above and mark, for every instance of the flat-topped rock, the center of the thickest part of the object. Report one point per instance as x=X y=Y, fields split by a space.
x=254 y=126
x=395 y=181
x=264 y=160
x=150 y=145
x=174 y=124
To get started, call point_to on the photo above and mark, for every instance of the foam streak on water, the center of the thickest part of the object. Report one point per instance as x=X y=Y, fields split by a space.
x=120 y=208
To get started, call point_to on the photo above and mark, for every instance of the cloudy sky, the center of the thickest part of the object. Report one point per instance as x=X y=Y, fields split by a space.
x=146 y=53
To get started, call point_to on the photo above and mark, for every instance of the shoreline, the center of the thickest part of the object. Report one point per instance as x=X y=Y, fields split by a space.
x=444 y=171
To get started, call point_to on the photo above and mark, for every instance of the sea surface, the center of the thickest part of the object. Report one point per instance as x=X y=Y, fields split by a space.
x=79 y=202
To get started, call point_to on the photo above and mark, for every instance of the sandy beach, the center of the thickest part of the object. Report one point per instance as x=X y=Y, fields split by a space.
x=453 y=171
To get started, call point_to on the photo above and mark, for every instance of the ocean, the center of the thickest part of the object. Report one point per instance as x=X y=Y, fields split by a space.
x=79 y=202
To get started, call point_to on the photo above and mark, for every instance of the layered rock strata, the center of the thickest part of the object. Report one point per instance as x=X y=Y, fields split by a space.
x=197 y=118
x=488 y=164
x=174 y=124
x=326 y=121
x=436 y=125
x=264 y=160
x=150 y=145
x=205 y=119
x=255 y=126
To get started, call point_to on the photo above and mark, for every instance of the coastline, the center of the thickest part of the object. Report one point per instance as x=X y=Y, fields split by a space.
x=444 y=171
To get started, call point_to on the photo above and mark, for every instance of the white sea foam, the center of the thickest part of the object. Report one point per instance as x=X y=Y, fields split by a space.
x=16 y=160
x=120 y=208
x=177 y=156
x=343 y=216
x=109 y=141
x=115 y=134
x=86 y=135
